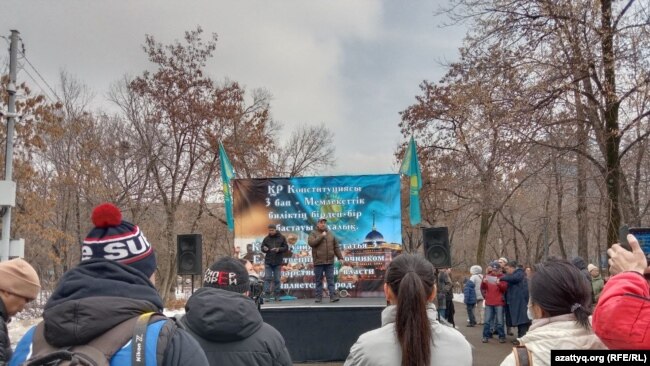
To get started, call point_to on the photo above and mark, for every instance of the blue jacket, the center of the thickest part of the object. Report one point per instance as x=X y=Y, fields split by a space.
x=470 y=293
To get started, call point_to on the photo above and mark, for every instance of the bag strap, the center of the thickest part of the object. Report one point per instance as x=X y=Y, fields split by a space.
x=106 y=345
x=523 y=357
x=138 y=340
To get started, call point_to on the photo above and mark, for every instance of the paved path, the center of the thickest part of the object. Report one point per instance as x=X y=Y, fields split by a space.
x=484 y=354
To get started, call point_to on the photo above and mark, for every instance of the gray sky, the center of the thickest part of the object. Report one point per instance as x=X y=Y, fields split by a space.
x=352 y=65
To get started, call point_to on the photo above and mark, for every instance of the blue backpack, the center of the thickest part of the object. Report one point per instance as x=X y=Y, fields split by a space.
x=132 y=342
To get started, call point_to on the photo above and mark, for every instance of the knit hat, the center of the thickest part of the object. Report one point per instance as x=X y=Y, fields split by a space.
x=19 y=278
x=475 y=269
x=227 y=273
x=118 y=240
x=502 y=259
x=591 y=267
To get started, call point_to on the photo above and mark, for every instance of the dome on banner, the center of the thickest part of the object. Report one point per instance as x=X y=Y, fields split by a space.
x=374 y=238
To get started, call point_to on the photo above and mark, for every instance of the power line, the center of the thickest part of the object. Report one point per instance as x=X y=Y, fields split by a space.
x=39 y=74
x=39 y=86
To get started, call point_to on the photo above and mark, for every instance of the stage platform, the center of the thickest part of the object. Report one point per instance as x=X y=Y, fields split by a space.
x=323 y=332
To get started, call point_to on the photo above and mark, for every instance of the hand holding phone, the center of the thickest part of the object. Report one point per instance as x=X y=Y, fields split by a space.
x=628 y=255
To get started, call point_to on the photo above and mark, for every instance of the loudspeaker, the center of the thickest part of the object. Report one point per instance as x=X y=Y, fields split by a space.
x=188 y=254
x=436 y=246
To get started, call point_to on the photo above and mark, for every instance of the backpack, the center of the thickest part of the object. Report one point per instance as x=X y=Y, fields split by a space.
x=100 y=350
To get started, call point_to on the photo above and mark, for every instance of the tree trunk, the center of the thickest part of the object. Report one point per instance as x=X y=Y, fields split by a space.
x=168 y=277
x=612 y=133
x=483 y=235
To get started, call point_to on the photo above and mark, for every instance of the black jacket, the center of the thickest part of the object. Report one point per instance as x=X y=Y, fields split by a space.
x=97 y=295
x=274 y=241
x=5 y=345
x=231 y=330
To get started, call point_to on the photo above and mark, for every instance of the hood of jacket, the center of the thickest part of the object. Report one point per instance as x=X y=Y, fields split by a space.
x=94 y=297
x=222 y=316
x=559 y=332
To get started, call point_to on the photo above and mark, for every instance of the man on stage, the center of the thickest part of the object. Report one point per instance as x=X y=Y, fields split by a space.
x=324 y=246
x=274 y=245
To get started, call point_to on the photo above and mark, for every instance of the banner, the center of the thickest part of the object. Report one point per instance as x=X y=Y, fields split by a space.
x=363 y=212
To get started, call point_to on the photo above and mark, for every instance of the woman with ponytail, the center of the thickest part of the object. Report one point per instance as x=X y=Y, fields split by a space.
x=410 y=334
x=561 y=299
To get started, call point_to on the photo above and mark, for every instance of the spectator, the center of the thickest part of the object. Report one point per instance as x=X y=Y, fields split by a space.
x=449 y=298
x=622 y=317
x=410 y=334
x=561 y=300
x=597 y=283
x=580 y=264
x=493 y=291
x=225 y=321
x=469 y=298
x=477 y=278
x=444 y=287
x=105 y=295
x=19 y=284
x=517 y=297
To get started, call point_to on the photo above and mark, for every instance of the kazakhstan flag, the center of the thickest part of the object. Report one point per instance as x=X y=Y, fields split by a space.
x=411 y=167
x=227 y=173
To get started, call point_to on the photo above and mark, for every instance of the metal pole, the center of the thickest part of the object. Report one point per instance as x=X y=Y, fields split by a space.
x=11 y=109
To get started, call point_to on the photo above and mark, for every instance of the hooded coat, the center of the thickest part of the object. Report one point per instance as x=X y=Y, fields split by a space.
x=477 y=278
x=99 y=294
x=559 y=332
x=469 y=293
x=231 y=331
x=380 y=347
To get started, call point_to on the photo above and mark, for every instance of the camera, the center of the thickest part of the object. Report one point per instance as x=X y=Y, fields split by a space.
x=256 y=287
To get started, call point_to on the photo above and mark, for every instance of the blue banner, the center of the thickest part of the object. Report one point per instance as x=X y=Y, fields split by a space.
x=363 y=212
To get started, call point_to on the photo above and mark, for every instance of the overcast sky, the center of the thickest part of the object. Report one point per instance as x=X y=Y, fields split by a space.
x=351 y=64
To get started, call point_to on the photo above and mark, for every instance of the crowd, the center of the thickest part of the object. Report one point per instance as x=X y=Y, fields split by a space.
x=106 y=311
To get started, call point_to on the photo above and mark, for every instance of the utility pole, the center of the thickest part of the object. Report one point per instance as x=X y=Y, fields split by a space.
x=11 y=121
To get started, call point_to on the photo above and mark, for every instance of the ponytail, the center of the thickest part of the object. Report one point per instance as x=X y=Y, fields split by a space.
x=411 y=280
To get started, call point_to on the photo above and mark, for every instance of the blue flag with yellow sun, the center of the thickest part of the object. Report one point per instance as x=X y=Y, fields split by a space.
x=227 y=173
x=411 y=168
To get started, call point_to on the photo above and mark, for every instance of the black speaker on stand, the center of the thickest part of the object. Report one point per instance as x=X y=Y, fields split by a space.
x=189 y=258
x=436 y=246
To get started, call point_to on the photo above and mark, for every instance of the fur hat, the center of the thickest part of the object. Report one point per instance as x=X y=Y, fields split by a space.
x=476 y=269
x=118 y=240
x=19 y=278
x=227 y=274
x=591 y=267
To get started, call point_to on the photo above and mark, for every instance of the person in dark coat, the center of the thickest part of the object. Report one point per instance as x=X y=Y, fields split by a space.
x=581 y=264
x=517 y=297
x=449 y=297
x=274 y=246
x=469 y=298
x=114 y=283
x=19 y=284
x=324 y=247
x=226 y=321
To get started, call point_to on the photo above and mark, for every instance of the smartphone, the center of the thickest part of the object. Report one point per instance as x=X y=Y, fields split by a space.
x=642 y=234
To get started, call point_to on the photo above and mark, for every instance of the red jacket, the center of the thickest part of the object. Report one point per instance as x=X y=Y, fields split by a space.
x=622 y=317
x=492 y=292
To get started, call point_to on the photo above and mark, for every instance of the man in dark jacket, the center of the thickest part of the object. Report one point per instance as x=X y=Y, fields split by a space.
x=19 y=284
x=324 y=247
x=274 y=245
x=112 y=284
x=226 y=322
x=517 y=297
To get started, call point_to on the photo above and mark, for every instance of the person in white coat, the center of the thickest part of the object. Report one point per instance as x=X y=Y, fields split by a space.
x=477 y=278
x=410 y=334
x=561 y=300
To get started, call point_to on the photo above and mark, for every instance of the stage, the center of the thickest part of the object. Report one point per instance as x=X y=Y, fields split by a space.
x=326 y=331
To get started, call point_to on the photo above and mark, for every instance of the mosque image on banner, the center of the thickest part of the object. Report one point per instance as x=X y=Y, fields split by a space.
x=363 y=212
